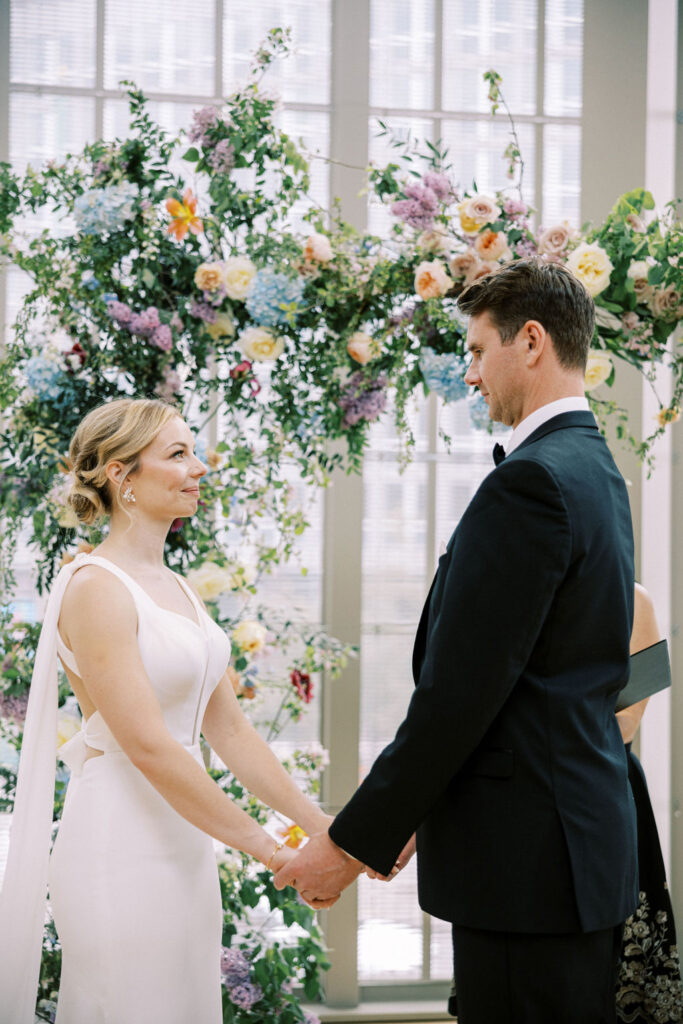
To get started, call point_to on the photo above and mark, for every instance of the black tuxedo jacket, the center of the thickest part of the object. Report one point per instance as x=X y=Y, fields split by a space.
x=510 y=762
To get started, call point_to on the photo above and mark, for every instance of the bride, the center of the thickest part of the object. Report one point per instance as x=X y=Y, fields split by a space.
x=132 y=877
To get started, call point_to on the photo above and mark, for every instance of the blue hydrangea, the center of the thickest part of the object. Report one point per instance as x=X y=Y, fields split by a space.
x=273 y=298
x=444 y=374
x=479 y=416
x=105 y=209
x=44 y=377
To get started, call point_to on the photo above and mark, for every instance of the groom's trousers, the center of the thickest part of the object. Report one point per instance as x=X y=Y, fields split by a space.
x=513 y=978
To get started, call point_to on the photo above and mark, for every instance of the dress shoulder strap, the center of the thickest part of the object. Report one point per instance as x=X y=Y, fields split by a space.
x=104 y=563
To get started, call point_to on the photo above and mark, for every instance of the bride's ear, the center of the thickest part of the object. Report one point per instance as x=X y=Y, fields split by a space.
x=116 y=472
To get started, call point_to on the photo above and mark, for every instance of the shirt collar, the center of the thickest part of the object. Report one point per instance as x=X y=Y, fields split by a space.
x=524 y=429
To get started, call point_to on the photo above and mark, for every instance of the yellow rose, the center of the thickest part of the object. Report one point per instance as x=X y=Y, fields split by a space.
x=260 y=344
x=598 y=369
x=238 y=272
x=431 y=279
x=362 y=347
x=209 y=276
x=222 y=327
x=592 y=266
x=210 y=580
x=249 y=635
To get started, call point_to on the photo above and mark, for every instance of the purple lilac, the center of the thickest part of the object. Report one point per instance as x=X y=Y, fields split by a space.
x=203 y=311
x=363 y=399
x=515 y=208
x=245 y=995
x=419 y=208
x=439 y=184
x=202 y=121
x=145 y=323
x=120 y=312
x=222 y=158
x=525 y=247
x=162 y=337
x=13 y=707
x=234 y=967
x=170 y=386
x=310 y=1018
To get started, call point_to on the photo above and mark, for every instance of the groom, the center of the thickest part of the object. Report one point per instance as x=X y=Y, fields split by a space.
x=509 y=763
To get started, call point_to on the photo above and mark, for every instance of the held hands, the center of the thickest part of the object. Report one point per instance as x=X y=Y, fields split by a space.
x=320 y=871
x=401 y=861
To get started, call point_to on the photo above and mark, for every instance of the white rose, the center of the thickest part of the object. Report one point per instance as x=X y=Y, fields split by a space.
x=210 y=580
x=317 y=248
x=592 y=266
x=260 y=344
x=477 y=211
x=238 y=272
x=637 y=272
x=362 y=347
x=249 y=635
x=598 y=369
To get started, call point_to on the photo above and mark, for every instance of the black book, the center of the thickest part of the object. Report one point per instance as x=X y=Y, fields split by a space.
x=650 y=673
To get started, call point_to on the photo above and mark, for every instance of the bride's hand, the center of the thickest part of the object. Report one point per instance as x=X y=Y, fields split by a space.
x=401 y=861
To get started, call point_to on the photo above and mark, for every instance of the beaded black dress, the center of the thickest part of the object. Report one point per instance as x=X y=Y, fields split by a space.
x=649 y=988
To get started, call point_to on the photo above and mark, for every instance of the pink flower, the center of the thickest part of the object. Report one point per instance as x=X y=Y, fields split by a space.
x=515 y=208
x=163 y=338
x=554 y=241
x=465 y=265
x=439 y=184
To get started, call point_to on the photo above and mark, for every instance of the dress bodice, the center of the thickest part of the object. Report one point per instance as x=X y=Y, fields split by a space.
x=184 y=660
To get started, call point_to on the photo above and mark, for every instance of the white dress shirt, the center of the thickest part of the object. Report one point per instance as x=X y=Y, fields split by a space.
x=524 y=429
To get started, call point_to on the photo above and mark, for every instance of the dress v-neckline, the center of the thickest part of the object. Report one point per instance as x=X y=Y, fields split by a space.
x=197 y=623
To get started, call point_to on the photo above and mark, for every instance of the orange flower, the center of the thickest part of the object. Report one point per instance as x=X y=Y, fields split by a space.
x=293 y=836
x=184 y=216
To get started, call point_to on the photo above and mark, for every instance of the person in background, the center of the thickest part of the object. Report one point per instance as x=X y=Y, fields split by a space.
x=649 y=988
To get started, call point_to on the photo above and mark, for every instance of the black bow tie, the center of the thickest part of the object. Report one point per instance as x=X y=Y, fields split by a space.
x=498 y=454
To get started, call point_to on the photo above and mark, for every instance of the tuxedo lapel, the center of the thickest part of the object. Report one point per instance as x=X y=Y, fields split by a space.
x=578 y=418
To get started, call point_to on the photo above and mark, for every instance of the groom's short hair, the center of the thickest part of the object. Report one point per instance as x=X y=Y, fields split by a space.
x=536 y=289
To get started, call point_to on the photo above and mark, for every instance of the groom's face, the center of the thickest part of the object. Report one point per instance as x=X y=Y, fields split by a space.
x=497 y=370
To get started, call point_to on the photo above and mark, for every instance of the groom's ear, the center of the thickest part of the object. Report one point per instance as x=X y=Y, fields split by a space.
x=534 y=338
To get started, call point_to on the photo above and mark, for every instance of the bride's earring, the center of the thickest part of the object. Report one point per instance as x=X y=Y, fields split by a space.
x=128 y=495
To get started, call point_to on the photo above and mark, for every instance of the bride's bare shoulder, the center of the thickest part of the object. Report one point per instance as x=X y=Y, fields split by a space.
x=94 y=590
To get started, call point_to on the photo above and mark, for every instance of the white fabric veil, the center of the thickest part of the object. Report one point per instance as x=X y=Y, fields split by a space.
x=24 y=893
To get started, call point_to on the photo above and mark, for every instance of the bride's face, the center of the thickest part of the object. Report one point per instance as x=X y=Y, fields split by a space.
x=166 y=483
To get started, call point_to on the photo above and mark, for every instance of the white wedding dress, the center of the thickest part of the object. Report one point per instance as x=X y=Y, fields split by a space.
x=133 y=885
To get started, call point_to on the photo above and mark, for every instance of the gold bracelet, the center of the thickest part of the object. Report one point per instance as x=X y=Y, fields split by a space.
x=272 y=856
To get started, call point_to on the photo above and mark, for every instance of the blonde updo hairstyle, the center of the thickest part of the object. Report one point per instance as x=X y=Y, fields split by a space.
x=118 y=430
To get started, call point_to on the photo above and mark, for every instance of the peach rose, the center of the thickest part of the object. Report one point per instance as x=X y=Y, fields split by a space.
x=465 y=264
x=431 y=280
x=317 y=248
x=362 y=347
x=435 y=241
x=555 y=240
x=209 y=276
x=491 y=245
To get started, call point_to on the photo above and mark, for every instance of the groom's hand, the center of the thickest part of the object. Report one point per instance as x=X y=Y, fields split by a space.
x=320 y=872
x=401 y=861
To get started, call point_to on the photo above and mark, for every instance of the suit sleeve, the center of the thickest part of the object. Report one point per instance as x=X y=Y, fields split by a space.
x=508 y=557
